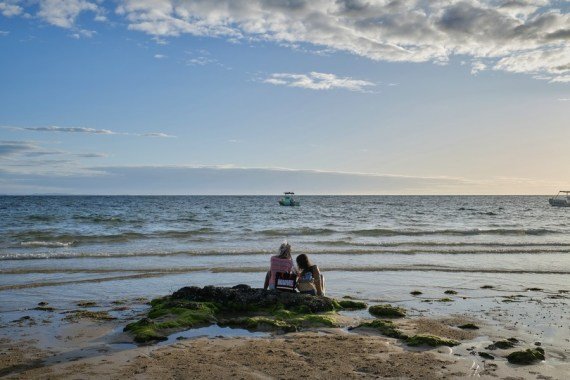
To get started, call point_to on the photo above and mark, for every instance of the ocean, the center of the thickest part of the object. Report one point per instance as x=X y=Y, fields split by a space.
x=116 y=245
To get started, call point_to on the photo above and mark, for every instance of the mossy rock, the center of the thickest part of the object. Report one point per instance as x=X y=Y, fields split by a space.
x=86 y=304
x=450 y=292
x=386 y=328
x=351 y=304
x=469 y=326
x=416 y=293
x=526 y=357
x=503 y=344
x=44 y=308
x=534 y=289
x=240 y=306
x=86 y=314
x=387 y=311
x=430 y=340
x=486 y=355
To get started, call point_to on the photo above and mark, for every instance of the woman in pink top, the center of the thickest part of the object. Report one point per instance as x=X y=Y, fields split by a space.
x=279 y=263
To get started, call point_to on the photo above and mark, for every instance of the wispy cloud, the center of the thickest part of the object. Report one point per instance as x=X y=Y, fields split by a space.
x=157 y=134
x=160 y=56
x=319 y=81
x=89 y=131
x=232 y=179
x=10 y=9
x=70 y=130
x=564 y=99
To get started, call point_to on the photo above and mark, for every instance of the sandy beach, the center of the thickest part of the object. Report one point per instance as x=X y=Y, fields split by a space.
x=88 y=342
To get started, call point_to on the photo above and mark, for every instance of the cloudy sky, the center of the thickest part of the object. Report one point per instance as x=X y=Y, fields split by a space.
x=262 y=96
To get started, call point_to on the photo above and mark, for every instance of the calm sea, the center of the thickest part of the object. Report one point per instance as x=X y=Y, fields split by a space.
x=58 y=240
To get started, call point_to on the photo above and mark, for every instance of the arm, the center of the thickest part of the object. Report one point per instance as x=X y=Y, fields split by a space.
x=267 y=277
x=317 y=280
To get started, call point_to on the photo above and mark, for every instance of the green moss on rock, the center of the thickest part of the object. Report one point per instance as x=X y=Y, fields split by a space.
x=387 y=311
x=526 y=357
x=352 y=305
x=430 y=340
x=386 y=328
x=469 y=326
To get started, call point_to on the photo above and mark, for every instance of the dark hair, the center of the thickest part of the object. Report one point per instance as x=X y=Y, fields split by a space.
x=284 y=251
x=303 y=262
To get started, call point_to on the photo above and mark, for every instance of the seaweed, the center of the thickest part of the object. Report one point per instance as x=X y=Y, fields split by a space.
x=469 y=326
x=430 y=340
x=387 y=311
x=386 y=328
x=528 y=356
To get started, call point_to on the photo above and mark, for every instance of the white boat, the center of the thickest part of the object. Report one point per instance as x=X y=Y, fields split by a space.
x=562 y=199
x=288 y=200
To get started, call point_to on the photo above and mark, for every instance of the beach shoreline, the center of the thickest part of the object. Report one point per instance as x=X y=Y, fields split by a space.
x=66 y=343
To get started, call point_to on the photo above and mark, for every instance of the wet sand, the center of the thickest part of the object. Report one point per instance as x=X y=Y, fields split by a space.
x=40 y=342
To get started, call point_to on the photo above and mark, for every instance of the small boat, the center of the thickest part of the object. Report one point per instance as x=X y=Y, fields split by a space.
x=288 y=200
x=561 y=200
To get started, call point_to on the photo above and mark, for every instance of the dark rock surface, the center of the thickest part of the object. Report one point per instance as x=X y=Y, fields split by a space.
x=243 y=297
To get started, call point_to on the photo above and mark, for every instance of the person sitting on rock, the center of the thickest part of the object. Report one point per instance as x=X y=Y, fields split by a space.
x=310 y=280
x=282 y=263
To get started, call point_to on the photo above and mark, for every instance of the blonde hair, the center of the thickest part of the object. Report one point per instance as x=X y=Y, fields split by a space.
x=284 y=251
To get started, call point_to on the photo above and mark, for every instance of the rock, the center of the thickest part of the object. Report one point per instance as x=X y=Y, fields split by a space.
x=386 y=328
x=86 y=304
x=352 y=305
x=430 y=340
x=93 y=315
x=450 y=292
x=533 y=289
x=244 y=298
x=387 y=311
x=528 y=356
x=469 y=326
x=487 y=287
x=415 y=292
x=486 y=355
x=503 y=344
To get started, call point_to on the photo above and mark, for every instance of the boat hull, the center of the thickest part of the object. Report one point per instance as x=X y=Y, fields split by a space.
x=559 y=202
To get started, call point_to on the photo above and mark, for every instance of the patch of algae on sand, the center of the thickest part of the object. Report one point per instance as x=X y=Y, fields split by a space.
x=389 y=329
x=168 y=314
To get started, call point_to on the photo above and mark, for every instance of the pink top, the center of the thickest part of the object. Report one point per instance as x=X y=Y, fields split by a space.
x=279 y=265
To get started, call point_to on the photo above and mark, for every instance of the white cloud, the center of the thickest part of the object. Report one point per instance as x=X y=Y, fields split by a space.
x=4 y=33
x=564 y=99
x=157 y=134
x=518 y=36
x=71 y=130
x=90 y=131
x=477 y=66
x=319 y=81
x=63 y=13
x=10 y=9
x=160 y=56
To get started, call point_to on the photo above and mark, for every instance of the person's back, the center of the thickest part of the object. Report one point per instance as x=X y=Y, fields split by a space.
x=282 y=263
x=311 y=281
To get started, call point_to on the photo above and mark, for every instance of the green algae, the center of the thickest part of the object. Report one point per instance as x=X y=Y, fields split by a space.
x=486 y=355
x=526 y=357
x=351 y=305
x=86 y=304
x=503 y=344
x=86 y=314
x=387 y=311
x=168 y=314
x=469 y=326
x=386 y=328
x=430 y=340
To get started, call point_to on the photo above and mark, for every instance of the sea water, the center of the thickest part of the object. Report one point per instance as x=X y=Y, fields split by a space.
x=116 y=246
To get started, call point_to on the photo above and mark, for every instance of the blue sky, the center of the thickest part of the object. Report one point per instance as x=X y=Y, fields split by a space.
x=258 y=97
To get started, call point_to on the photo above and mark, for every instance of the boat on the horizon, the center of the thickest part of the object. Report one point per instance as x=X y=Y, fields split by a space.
x=288 y=200
x=561 y=201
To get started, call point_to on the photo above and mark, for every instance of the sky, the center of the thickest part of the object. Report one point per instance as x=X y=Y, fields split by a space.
x=266 y=96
